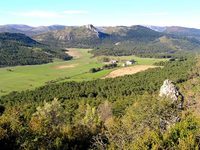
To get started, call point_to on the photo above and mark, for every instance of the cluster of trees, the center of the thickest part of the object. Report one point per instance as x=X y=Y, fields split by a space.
x=107 y=66
x=110 y=66
x=93 y=70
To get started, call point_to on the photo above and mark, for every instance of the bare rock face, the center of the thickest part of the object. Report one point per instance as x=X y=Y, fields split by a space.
x=92 y=28
x=99 y=34
x=169 y=90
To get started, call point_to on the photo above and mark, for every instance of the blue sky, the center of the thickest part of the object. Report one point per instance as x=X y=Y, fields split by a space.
x=101 y=12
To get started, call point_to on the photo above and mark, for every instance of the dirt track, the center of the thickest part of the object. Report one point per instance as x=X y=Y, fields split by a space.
x=128 y=70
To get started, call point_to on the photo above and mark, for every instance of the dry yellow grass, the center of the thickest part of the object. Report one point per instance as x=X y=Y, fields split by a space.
x=128 y=70
x=65 y=66
x=73 y=52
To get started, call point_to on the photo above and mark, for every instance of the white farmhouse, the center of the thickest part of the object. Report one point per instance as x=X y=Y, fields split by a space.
x=129 y=63
x=113 y=61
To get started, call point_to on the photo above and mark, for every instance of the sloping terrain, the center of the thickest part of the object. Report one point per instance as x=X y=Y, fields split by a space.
x=87 y=35
x=117 y=40
x=83 y=36
x=120 y=40
x=183 y=31
x=179 y=31
x=18 y=49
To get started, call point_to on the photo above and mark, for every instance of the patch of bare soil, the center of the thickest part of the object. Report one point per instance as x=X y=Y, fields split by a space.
x=73 y=52
x=128 y=70
x=65 y=66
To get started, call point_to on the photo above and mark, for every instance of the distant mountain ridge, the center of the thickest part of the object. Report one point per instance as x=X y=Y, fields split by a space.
x=90 y=35
x=101 y=30
x=28 y=30
x=177 y=30
x=130 y=40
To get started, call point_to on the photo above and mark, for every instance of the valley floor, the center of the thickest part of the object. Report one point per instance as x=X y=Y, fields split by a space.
x=29 y=77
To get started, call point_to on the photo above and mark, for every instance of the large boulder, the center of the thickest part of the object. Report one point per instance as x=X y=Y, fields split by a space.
x=169 y=90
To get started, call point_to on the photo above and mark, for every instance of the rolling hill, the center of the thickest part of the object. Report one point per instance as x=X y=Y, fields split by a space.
x=120 y=40
x=136 y=32
x=83 y=36
x=179 y=31
x=90 y=37
x=117 y=40
x=19 y=49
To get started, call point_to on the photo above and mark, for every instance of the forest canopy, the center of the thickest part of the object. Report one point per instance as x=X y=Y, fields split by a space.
x=18 y=49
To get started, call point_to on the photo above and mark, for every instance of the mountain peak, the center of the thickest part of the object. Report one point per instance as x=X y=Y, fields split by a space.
x=92 y=28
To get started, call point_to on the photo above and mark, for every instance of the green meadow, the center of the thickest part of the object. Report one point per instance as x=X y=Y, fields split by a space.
x=29 y=77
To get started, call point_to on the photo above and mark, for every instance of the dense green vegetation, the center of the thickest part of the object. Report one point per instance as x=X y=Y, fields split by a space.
x=147 y=81
x=122 y=41
x=99 y=114
x=119 y=113
x=163 y=47
x=18 y=49
x=20 y=78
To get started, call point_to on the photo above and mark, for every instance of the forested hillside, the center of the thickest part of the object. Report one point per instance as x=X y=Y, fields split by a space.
x=121 y=40
x=165 y=46
x=183 y=31
x=120 y=113
x=18 y=49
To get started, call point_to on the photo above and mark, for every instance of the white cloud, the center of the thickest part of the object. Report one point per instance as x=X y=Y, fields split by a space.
x=75 y=12
x=39 y=14
x=48 y=14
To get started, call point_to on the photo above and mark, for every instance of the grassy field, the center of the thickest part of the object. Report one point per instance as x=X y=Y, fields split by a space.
x=139 y=61
x=29 y=77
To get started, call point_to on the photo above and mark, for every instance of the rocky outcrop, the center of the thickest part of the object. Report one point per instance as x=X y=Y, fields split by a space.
x=99 y=34
x=170 y=91
x=92 y=28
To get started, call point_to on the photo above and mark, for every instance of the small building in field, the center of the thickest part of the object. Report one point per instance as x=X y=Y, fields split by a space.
x=128 y=62
x=113 y=61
